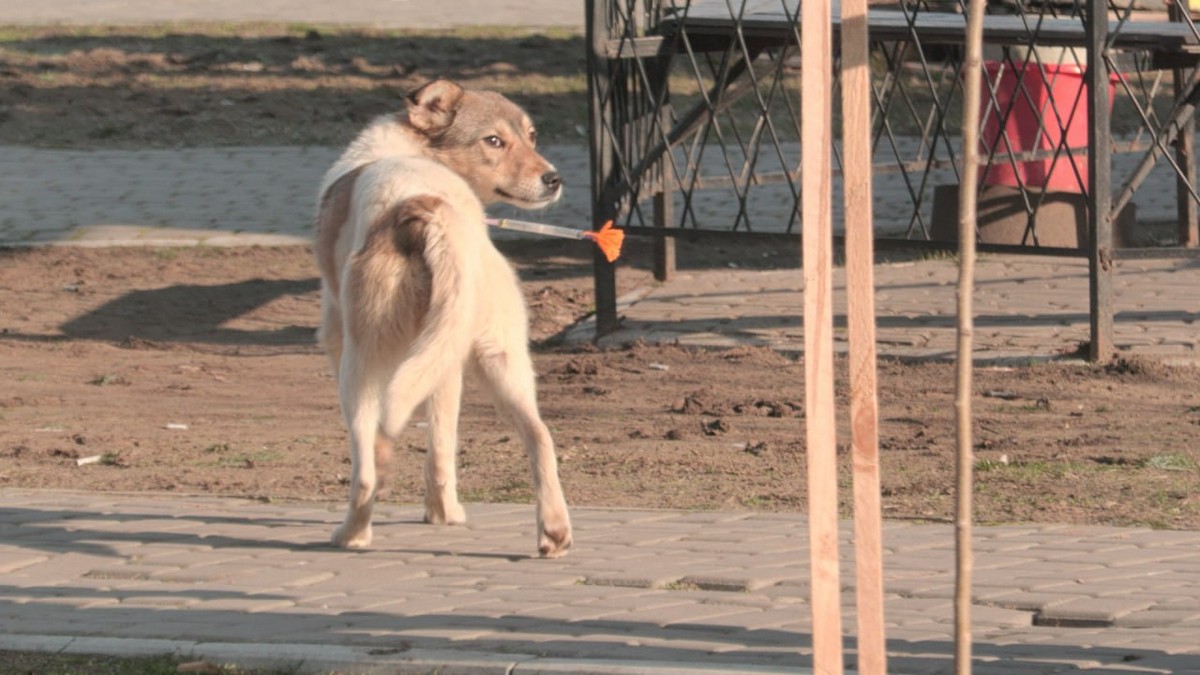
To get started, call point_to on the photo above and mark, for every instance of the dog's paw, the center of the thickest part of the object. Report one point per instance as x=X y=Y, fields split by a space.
x=445 y=514
x=344 y=537
x=553 y=541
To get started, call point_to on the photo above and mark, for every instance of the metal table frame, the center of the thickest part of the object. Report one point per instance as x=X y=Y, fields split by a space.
x=643 y=149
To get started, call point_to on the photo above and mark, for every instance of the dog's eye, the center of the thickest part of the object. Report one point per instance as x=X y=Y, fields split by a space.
x=533 y=136
x=494 y=141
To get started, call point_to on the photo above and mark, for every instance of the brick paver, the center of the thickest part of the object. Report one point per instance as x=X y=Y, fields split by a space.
x=643 y=590
x=252 y=581
x=1027 y=309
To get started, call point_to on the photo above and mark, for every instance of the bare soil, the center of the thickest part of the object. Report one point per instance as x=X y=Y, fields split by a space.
x=195 y=370
x=205 y=85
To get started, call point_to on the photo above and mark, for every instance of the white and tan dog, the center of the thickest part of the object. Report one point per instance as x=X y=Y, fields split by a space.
x=414 y=294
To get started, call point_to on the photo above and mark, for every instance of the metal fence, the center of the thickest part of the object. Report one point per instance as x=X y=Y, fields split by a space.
x=695 y=126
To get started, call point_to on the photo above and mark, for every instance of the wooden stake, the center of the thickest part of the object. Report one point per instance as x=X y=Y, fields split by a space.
x=967 y=191
x=860 y=284
x=816 y=82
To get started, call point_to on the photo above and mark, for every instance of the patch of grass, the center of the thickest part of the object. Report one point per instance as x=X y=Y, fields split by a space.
x=231 y=456
x=249 y=459
x=112 y=459
x=1170 y=463
x=986 y=465
x=1035 y=470
x=936 y=255
x=680 y=586
x=203 y=250
x=1030 y=407
x=303 y=28
x=107 y=131
x=22 y=663
x=756 y=502
x=515 y=491
x=107 y=379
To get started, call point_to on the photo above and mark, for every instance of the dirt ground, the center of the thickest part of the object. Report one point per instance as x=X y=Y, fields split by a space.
x=209 y=85
x=195 y=370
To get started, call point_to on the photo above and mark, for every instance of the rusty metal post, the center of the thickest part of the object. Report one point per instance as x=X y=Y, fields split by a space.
x=664 y=197
x=1185 y=155
x=600 y=75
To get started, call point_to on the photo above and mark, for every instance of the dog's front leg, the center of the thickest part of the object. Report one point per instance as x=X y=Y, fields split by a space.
x=360 y=401
x=441 y=481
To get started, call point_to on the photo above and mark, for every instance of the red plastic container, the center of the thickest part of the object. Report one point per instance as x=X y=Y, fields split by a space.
x=1030 y=93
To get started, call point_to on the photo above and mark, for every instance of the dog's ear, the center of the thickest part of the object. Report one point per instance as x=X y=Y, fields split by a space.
x=432 y=107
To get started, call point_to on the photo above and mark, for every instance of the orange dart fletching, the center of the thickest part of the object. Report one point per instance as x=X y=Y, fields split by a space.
x=609 y=239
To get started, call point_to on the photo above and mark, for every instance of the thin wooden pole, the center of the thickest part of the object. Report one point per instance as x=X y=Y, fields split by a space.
x=816 y=156
x=1100 y=253
x=967 y=191
x=860 y=285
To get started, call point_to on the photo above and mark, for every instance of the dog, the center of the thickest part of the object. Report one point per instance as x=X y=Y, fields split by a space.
x=414 y=295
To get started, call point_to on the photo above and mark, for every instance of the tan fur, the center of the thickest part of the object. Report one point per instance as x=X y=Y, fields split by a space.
x=414 y=294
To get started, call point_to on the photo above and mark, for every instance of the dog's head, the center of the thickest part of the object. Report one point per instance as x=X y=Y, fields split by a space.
x=488 y=140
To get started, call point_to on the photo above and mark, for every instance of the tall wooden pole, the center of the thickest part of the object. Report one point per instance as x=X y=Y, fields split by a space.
x=816 y=155
x=1100 y=252
x=860 y=285
x=967 y=191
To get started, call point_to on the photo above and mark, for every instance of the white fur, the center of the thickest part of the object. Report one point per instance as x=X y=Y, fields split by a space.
x=414 y=295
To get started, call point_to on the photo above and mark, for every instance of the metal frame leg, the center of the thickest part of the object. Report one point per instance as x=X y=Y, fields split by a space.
x=600 y=74
x=1185 y=156
x=664 y=198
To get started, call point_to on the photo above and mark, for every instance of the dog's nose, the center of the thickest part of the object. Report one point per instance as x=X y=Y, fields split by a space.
x=552 y=180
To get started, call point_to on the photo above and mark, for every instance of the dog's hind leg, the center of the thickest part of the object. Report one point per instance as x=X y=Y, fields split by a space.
x=441 y=482
x=329 y=334
x=510 y=377
x=360 y=398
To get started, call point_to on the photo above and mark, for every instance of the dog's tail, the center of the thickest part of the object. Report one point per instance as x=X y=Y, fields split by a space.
x=413 y=254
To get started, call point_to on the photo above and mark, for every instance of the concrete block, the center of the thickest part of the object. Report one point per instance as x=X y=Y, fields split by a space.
x=1060 y=218
x=1089 y=611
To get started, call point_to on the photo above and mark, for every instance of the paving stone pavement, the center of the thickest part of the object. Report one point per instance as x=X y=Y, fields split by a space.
x=227 y=196
x=1026 y=309
x=643 y=590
